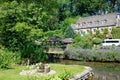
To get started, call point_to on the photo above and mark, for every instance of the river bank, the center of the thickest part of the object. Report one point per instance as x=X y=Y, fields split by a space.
x=106 y=54
x=102 y=71
x=86 y=74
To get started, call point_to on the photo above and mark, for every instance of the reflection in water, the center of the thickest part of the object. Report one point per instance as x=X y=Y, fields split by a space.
x=102 y=71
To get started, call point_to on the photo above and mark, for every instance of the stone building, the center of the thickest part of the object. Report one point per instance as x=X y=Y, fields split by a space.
x=84 y=25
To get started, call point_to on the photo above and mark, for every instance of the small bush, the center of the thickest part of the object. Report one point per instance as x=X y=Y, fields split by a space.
x=6 y=59
x=97 y=41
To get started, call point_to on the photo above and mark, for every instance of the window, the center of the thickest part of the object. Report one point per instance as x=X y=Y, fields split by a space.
x=112 y=41
x=104 y=21
x=103 y=41
x=102 y=29
x=89 y=23
x=97 y=22
x=83 y=24
x=94 y=30
x=88 y=31
x=110 y=29
x=82 y=32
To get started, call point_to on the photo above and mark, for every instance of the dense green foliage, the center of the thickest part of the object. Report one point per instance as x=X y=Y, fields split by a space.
x=69 y=33
x=87 y=7
x=97 y=41
x=106 y=32
x=8 y=58
x=22 y=24
x=116 y=33
x=104 y=54
x=82 y=41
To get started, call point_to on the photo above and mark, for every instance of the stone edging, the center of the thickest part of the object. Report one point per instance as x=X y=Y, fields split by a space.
x=34 y=72
x=84 y=75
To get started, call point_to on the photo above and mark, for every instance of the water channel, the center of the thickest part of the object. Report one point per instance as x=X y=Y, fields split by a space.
x=102 y=71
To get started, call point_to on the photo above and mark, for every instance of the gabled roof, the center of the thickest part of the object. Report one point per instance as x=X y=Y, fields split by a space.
x=91 y=21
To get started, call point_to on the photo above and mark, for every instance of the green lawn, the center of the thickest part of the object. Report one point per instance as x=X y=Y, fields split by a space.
x=56 y=52
x=13 y=74
x=59 y=68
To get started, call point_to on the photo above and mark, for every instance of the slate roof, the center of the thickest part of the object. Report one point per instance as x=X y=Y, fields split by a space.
x=97 y=21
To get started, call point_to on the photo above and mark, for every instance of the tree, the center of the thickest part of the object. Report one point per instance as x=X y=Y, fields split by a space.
x=85 y=42
x=77 y=39
x=116 y=33
x=105 y=32
x=97 y=33
x=31 y=19
x=22 y=24
x=96 y=41
x=69 y=33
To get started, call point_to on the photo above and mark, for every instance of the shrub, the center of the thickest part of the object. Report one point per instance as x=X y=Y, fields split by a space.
x=69 y=33
x=107 y=54
x=77 y=38
x=97 y=41
x=115 y=33
x=105 y=32
x=82 y=41
x=6 y=59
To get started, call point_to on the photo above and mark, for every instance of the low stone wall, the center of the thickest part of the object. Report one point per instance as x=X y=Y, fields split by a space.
x=84 y=75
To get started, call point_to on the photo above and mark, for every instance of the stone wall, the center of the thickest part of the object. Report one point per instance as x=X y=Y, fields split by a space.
x=84 y=75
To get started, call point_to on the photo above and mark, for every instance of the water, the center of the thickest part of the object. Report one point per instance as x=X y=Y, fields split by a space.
x=102 y=71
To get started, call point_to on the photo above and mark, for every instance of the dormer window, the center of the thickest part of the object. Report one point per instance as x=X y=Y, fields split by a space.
x=105 y=21
x=97 y=22
x=89 y=23
x=83 y=24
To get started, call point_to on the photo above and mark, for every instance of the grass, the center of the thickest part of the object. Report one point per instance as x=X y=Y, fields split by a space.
x=58 y=52
x=75 y=69
x=13 y=74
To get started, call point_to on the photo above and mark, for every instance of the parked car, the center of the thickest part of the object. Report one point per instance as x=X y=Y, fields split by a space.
x=111 y=42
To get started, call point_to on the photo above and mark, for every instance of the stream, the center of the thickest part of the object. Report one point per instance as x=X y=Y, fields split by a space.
x=102 y=71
